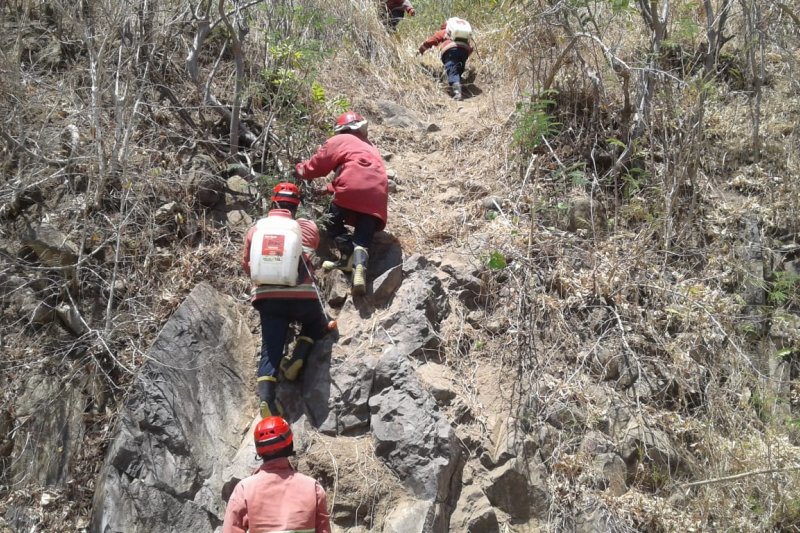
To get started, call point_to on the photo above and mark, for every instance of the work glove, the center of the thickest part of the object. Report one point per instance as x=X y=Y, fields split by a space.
x=411 y=12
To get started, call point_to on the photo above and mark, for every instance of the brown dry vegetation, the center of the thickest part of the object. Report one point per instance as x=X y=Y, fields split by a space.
x=646 y=298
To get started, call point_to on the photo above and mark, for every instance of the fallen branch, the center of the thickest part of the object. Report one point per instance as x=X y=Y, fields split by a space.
x=740 y=476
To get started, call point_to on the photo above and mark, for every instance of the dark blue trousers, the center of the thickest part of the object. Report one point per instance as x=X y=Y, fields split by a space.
x=276 y=315
x=455 y=61
x=364 y=226
x=394 y=17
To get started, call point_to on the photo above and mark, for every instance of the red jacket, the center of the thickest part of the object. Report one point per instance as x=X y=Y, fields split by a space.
x=394 y=4
x=440 y=39
x=304 y=289
x=277 y=499
x=360 y=183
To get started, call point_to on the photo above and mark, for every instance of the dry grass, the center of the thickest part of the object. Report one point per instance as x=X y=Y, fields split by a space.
x=658 y=289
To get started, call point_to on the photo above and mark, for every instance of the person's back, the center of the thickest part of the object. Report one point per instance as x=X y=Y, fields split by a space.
x=360 y=190
x=280 y=305
x=360 y=183
x=455 y=51
x=276 y=498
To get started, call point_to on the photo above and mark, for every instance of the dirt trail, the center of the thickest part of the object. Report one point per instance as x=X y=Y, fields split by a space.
x=442 y=176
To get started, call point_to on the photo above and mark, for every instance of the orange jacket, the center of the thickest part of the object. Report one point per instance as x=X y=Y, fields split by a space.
x=440 y=39
x=360 y=183
x=304 y=290
x=276 y=499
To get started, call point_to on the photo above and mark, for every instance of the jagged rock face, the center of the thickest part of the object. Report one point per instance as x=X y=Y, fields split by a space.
x=185 y=437
x=474 y=513
x=193 y=402
x=189 y=417
x=411 y=434
x=519 y=488
x=45 y=446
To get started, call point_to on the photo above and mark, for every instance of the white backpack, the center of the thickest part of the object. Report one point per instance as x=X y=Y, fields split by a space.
x=458 y=29
x=275 y=251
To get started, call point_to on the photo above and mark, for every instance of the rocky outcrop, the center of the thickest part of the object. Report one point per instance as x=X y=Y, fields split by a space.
x=474 y=513
x=519 y=488
x=184 y=437
x=47 y=440
x=186 y=416
x=412 y=436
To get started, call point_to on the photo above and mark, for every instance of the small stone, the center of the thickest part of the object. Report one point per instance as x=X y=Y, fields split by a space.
x=492 y=203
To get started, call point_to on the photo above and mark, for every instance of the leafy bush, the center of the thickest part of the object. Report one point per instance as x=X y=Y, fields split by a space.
x=533 y=125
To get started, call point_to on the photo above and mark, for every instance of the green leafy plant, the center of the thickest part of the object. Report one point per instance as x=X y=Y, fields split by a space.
x=533 y=124
x=496 y=261
x=633 y=181
x=785 y=289
x=618 y=6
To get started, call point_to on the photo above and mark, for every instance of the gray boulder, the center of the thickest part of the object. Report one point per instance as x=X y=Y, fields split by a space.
x=438 y=380
x=519 y=488
x=185 y=419
x=335 y=392
x=386 y=285
x=46 y=446
x=51 y=247
x=507 y=441
x=464 y=278
x=610 y=472
x=653 y=447
x=338 y=288
x=413 y=437
x=412 y=322
x=385 y=254
x=398 y=116
x=473 y=513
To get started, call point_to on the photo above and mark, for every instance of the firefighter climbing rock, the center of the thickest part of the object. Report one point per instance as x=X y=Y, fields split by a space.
x=453 y=40
x=360 y=191
x=277 y=252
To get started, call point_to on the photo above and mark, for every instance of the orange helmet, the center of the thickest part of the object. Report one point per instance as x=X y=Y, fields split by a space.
x=272 y=435
x=287 y=192
x=350 y=122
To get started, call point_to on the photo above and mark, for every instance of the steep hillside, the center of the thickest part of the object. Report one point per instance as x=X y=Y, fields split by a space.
x=611 y=213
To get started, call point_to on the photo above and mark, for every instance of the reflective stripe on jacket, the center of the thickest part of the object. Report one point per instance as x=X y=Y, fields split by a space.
x=276 y=499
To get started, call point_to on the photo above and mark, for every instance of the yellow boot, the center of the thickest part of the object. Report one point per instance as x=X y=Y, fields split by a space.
x=293 y=364
x=360 y=257
x=267 y=391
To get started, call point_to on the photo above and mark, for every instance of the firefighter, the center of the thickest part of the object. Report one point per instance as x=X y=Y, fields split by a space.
x=360 y=191
x=280 y=305
x=455 y=49
x=276 y=497
x=394 y=11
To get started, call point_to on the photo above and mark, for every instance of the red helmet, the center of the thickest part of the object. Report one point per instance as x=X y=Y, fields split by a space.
x=350 y=121
x=272 y=435
x=286 y=192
